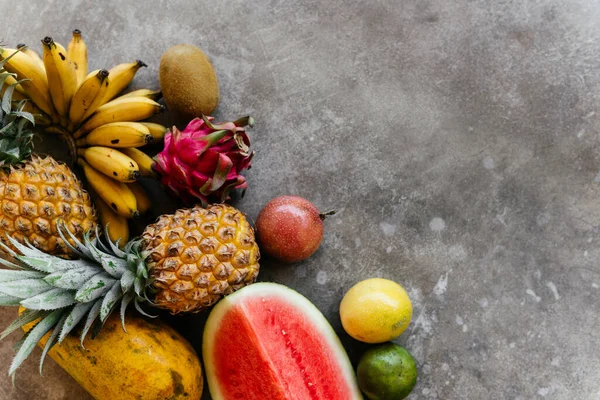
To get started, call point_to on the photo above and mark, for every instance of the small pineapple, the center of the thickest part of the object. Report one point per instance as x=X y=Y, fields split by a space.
x=185 y=262
x=198 y=255
x=35 y=193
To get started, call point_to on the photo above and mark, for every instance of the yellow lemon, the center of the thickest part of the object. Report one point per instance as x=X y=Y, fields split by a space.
x=375 y=310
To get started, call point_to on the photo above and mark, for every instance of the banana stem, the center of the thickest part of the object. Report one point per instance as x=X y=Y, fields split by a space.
x=68 y=140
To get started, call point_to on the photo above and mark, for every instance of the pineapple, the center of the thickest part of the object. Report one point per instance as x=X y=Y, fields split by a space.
x=198 y=255
x=35 y=193
x=185 y=262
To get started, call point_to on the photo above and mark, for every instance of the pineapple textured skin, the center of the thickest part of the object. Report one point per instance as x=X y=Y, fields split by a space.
x=35 y=196
x=197 y=256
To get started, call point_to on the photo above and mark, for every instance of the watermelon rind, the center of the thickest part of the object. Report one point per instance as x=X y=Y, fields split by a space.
x=267 y=289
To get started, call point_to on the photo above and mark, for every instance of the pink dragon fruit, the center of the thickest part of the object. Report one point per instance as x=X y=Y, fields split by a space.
x=204 y=161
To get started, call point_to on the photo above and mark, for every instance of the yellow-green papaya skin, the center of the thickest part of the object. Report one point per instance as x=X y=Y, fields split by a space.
x=149 y=362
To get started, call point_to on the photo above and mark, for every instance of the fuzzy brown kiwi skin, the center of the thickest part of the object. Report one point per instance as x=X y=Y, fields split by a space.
x=188 y=81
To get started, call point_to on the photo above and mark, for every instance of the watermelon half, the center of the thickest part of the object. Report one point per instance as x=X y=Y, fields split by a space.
x=267 y=341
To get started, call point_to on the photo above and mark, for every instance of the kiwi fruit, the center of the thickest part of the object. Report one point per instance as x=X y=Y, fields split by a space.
x=188 y=81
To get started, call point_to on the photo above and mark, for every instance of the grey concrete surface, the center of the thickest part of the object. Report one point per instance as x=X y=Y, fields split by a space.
x=459 y=141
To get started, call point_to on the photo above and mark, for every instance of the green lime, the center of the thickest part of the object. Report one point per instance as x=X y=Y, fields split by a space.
x=387 y=372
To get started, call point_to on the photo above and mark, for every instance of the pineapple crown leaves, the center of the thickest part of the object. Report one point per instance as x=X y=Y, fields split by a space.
x=60 y=293
x=16 y=135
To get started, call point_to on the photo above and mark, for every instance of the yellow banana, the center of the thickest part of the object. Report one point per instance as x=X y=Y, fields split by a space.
x=88 y=97
x=112 y=163
x=128 y=109
x=61 y=77
x=143 y=161
x=41 y=119
x=151 y=94
x=77 y=51
x=118 y=135
x=144 y=204
x=121 y=77
x=10 y=80
x=33 y=54
x=33 y=77
x=116 y=194
x=157 y=131
x=116 y=226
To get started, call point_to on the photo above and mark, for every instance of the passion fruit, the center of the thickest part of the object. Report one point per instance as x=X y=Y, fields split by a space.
x=290 y=228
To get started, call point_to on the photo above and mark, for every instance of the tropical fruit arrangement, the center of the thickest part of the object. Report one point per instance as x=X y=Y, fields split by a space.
x=69 y=264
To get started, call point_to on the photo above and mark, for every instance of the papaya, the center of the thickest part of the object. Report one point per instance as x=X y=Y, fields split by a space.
x=150 y=361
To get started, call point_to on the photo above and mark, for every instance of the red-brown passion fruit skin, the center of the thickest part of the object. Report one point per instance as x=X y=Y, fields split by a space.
x=289 y=229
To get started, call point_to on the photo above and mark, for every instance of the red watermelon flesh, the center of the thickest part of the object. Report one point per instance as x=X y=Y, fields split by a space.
x=267 y=341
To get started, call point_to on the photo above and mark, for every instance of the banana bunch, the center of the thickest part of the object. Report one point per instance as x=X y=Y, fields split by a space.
x=101 y=125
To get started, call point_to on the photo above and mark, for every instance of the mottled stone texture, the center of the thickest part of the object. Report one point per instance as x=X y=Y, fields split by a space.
x=458 y=141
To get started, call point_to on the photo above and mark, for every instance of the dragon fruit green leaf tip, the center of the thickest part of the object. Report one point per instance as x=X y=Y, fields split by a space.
x=204 y=161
